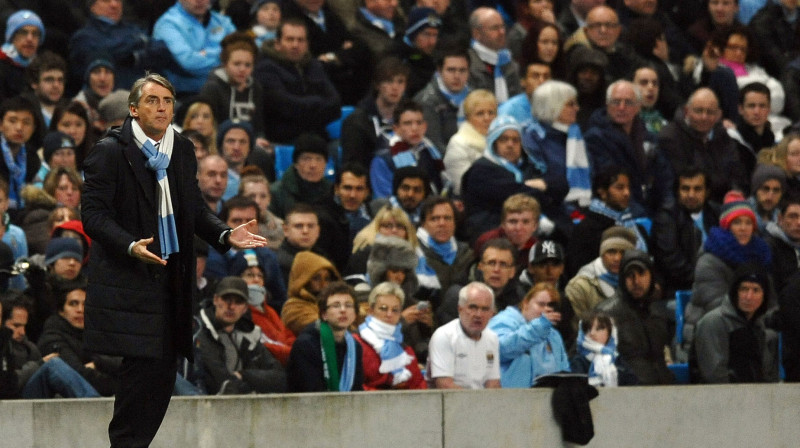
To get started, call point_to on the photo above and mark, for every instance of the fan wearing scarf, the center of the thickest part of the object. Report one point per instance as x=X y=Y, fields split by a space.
x=19 y=163
x=388 y=363
x=491 y=66
x=326 y=357
x=141 y=207
x=597 y=353
x=24 y=35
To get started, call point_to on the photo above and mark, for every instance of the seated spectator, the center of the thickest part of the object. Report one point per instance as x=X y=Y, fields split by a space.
x=192 y=33
x=786 y=155
x=544 y=45
x=200 y=117
x=556 y=142
x=719 y=14
x=58 y=151
x=519 y=106
x=727 y=247
x=298 y=82
x=467 y=145
x=642 y=333
x=377 y=24
x=63 y=334
x=767 y=188
x=229 y=351
x=369 y=127
x=235 y=141
x=255 y=185
x=464 y=354
x=597 y=353
x=504 y=170
x=408 y=147
x=674 y=38
x=13 y=236
x=388 y=362
x=518 y=224
x=24 y=33
x=310 y=274
x=231 y=89
x=609 y=207
x=618 y=137
x=305 y=182
x=73 y=120
x=39 y=377
x=680 y=229
x=531 y=14
x=266 y=17
x=389 y=221
x=200 y=143
x=530 y=345
x=491 y=66
x=326 y=357
x=776 y=31
x=789 y=312
x=350 y=191
x=442 y=99
x=301 y=231
x=126 y=45
x=98 y=83
x=20 y=163
x=731 y=344
x=586 y=70
x=212 y=180
x=65 y=185
x=416 y=48
x=46 y=76
x=783 y=238
x=410 y=186
x=113 y=109
x=598 y=280
x=753 y=132
x=646 y=77
x=34 y=221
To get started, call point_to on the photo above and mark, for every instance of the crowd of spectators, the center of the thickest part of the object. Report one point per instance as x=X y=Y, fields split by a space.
x=455 y=194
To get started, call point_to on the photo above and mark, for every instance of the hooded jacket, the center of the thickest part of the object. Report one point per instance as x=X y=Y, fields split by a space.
x=390 y=252
x=229 y=103
x=301 y=308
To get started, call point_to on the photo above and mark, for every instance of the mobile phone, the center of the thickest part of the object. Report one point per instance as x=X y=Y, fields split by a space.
x=423 y=305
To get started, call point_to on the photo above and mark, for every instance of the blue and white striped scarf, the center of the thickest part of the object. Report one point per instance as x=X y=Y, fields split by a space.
x=579 y=175
x=498 y=59
x=387 y=341
x=158 y=161
x=386 y=25
x=17 y=170
x=623 y=218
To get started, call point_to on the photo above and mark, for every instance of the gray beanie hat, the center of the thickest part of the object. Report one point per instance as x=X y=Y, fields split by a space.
x=765 y=172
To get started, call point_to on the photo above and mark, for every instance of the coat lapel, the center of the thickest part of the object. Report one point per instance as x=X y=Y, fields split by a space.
x=136 y=158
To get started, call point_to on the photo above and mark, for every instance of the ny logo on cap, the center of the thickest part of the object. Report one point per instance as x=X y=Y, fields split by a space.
x=549 y=248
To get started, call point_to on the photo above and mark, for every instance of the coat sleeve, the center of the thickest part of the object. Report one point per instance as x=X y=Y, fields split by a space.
x=709 y=284
x=263 y=372
x=515 y=340
x=711 y=346
x=191 y=56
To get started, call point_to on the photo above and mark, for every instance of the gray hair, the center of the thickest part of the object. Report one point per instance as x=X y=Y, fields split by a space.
x=549 y=99
x=621 y=82
x=386 y=289
x=468 y=291
x=138 y=85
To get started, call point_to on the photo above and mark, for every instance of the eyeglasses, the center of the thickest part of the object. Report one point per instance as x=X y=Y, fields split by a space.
x=386 y=309
x=342 y=305
x=627 y=102
x=607 y=25
x=392 y=226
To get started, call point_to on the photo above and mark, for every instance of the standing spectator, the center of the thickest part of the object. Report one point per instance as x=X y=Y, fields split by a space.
x=193 y=34
x=491 y=66
x=24 y=33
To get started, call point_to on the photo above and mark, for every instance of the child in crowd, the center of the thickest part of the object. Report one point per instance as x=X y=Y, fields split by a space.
x=597 y=353
x=266 y=18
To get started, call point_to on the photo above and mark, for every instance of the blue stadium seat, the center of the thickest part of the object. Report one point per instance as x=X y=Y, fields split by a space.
x=283 y=159
x=681 y=372
x=334 y=128
x=681 y=299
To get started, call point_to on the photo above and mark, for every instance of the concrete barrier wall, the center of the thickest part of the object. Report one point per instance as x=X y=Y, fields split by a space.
x=679 y=416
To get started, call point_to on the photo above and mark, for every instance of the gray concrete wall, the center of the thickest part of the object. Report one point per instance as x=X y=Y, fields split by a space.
x=678 y=416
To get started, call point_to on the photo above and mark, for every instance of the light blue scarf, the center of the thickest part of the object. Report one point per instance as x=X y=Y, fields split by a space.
x=603 y=370
x=17 y=169
x=498 y=59
x=384 y=24
x=623 y=218
x=387 y=340
x=456 y=99
x=11 y=51
x=447 y=250
x=579 y=175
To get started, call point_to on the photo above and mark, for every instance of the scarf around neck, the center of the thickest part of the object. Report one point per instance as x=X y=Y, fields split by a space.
x=17 y=170
x=11 y=51
x=602 y=371
x=724 y=245
x=158 y=157
x=498 y=59
x=623 y=218
x=579 y=175
x=456 y=99
x=446 y=250
x=330 y=367
x=379 y=22
x=387 y=340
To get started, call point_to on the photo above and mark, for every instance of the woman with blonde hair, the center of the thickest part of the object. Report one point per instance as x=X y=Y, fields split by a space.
x=200 y=117
x=786 y=155
x=467 y=145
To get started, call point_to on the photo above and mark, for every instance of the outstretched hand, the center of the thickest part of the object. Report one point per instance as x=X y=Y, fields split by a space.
x=242 y=238
x=140 y=252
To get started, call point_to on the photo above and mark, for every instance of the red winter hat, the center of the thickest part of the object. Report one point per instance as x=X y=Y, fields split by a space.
x=733 y=206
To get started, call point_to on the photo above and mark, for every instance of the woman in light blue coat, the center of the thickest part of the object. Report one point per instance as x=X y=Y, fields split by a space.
x=530 y=345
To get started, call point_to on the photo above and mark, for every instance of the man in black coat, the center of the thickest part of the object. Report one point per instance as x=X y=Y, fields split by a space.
x=141 y=207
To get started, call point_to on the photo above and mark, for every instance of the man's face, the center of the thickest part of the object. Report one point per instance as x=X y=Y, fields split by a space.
x=340 y=312
x=197 y=8
x=311 y=166
x=491 y=32
x=642 y=7
x=723 y=12
x=789 y=221
x=612 y=259
x=692 y=192
x=352 y=191
x=411 y=192
x=426 y=40
x=302 y=230
x=26 y=40
x=50 y=87
x=293 y=44
x=497 y=267
x=588 y=79
x=602 y=27
x=751 y=296
x=18 y=126
x=391 y=91
x=647 y=80
x=454 y=73
x=536 y=75
x=228 y=309
x=239 y=216
x=16 y=323
x=623 y=106
x=155 y=110
x=101 y=81
x=110 y=9
x=411 y=127
x=476 y=312
x=618 y=195
x=441 y=223
x=509 y=145
x=312 y=6
x=212 y=179
x=768 y=195
x=548 y=271
x=235 y=146
x=703 y=112
x=382 y=8
x=520 y=227
x=755 y=109
x=637 y=281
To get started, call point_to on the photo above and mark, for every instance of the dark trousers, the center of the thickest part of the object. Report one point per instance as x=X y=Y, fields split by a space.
x=142 y=399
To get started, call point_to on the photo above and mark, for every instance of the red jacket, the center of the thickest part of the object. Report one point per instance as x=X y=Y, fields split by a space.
x=276 y=337
x=374 y=380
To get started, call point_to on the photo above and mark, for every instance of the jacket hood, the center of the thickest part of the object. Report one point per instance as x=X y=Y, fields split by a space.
x=750 y=272
x=391 y=252
x=37 y=198
x=305 y=265
x=220 y=73
x=244 y=329
x=636 y=258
